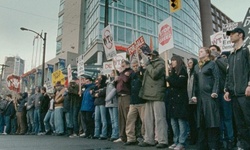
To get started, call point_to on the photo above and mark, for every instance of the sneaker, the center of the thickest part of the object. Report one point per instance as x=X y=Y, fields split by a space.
x=73 y=136
x=82 y=135
x=40 y=133
x=172 y=146
x=118 y=140
x=179 y=147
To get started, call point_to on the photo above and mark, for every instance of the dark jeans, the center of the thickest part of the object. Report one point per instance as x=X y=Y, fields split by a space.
x=241 y=109
x=7 y=121
x=89 y=121
x=1 y=123
x=74 y=111
x=226 y=116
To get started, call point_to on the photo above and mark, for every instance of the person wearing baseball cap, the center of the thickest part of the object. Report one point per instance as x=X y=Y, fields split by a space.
x=237 y=86
x=236 y=30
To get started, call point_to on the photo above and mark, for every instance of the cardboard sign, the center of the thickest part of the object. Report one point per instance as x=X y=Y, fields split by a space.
x=58 y=76
x=165 y=35
x=136 y=44
x=108 y=43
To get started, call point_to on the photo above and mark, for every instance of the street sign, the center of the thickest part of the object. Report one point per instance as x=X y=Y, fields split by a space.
x=108 y=43
x=13 y=83
x=165 y=36
x=80 y=65
x=58 y=76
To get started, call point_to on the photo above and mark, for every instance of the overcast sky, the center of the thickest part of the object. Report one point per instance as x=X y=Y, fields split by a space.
x=41 y=15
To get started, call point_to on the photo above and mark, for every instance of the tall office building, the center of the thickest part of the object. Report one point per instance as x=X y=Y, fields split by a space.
x=15 y=66
x=81 y=23
x=212 y=20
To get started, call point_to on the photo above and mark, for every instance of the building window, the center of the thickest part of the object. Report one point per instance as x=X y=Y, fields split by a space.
x=61 y=7
x=143 y=9
x=121 y=34
x=59 y=46
x=130 y=5
x=59 y=31
x=121 y=18
x=129 y=36
x=60 y=20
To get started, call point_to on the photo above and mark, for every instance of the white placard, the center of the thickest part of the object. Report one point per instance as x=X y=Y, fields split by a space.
x=165 y=35
x=69 y=73
x=80 y=65
x=217 y=39
x=108 y=43
x=108 y=66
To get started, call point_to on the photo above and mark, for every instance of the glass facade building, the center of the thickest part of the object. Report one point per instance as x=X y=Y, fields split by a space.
x=131 y=19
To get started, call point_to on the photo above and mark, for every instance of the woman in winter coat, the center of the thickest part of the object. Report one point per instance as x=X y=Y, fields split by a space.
x=112 y=105
x=206 y=93
x=178 y=102
x=192 y=107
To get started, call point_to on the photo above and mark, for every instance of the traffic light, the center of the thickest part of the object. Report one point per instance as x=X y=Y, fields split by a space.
x=175 y=5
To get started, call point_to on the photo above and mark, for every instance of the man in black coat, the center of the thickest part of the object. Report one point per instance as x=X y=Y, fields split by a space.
x=237 y=87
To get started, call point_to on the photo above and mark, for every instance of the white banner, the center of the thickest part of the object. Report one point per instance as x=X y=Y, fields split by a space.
x=108 y=43
x=49 y=87
x=165 y=35
x=108 y=66
x=227 y=44
x=69 y=73
x=217 y=39
x=80 y=65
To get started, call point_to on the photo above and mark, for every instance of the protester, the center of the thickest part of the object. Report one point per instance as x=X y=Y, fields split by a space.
x=9 y=113
x=112 y=105
x=37 y=113
x=178 y=102
x=123 y=90
x=58 y=112
x=153 y=91
x=237 y=87
x=49 y=117
x=74 y=107
x=137 y=105
x=21 y=114
x=226 y=112
x=206 y=94
x=30 y=112
x=44 y=106
x=88 y=108
x=192 y=107
x=101 y=125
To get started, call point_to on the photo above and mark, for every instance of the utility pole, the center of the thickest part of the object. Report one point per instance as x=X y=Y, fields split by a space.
x=3 y=66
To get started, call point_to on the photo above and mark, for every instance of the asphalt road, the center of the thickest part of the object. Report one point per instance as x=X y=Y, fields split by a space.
x=34 y=142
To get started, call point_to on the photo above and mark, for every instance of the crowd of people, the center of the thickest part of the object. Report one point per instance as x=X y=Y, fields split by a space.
x=205 y=100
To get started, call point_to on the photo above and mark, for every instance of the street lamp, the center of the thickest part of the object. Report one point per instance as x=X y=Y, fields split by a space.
x=44 y=48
